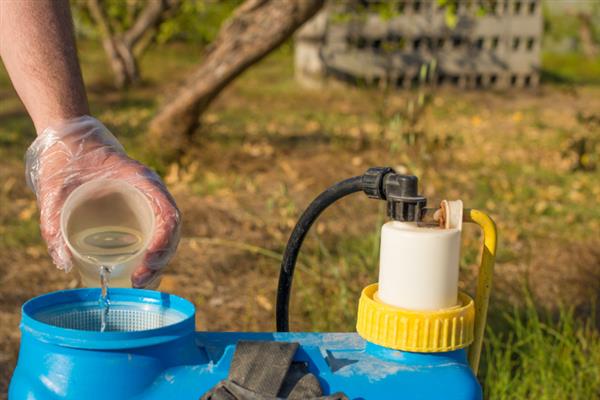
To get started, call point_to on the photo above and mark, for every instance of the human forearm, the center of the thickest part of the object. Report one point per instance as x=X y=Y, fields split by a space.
x=37 y=47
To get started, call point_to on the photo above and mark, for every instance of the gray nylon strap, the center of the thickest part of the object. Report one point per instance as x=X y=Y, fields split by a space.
x=228 y=390
x=308 y=387
x=262 y=366
x=264 y=371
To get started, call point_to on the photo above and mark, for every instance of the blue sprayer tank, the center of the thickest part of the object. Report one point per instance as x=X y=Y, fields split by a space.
x=176 y=362
x=417 y=336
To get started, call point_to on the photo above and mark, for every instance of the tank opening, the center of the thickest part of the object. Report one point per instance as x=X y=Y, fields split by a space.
x=122 y=317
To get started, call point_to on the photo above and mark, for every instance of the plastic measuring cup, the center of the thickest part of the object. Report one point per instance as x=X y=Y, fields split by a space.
x=105 y=203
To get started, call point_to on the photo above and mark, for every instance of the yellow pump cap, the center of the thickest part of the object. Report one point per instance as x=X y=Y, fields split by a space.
x=418 y=331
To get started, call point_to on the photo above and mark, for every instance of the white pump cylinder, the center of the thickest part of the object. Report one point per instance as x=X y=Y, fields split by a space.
x=418 y=267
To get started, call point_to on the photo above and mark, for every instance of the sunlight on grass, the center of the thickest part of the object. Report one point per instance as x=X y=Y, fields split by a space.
x=540 y=357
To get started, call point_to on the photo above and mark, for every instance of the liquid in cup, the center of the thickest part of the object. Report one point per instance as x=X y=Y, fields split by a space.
x=107 y=223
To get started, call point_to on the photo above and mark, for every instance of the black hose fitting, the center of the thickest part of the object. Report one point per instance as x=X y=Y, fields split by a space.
x=372 y=182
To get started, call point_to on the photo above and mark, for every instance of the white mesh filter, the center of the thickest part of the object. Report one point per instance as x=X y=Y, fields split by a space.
x=121 y=317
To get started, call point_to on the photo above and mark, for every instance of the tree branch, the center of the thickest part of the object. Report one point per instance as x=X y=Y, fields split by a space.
x=255 y=29
x=120 y=48
x=108 y=41
x=150 y=17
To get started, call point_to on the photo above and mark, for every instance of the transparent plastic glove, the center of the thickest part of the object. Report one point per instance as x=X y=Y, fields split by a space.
x=79 y=150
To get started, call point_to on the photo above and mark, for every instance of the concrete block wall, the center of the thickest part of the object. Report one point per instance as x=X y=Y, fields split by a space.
x=500 y=49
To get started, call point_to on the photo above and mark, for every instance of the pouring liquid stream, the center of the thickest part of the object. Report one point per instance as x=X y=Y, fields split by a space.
x=104 y=300
x=107 y=247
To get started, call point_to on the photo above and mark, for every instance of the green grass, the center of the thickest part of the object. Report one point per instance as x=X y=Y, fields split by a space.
x=570 y=68
x=540 y=356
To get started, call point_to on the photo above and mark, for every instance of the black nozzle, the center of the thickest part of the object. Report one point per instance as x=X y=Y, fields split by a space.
x=403 y=198
x=400 y=191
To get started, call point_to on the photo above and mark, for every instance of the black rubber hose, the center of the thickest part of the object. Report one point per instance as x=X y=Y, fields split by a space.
x=286 y=275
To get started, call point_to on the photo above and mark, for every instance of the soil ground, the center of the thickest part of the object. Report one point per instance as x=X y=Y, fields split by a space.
x=267 y=147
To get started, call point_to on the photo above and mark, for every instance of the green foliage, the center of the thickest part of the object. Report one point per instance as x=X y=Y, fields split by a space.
x=557 y=27
x=357 y=9
x=450 y=7
x=84 y=25
x=561 y=27
x=121 y=15
x=197 y=21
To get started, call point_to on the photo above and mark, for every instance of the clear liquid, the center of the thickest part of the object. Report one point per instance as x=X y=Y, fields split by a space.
x=107 y=247
x=104 y=300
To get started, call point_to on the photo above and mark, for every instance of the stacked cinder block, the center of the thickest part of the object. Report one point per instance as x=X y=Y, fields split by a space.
x=499 y=49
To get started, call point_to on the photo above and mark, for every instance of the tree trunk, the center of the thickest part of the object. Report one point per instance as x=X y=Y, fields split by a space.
x=255 y=29
x=589 y=46
x=120 y=48
x=109 y=43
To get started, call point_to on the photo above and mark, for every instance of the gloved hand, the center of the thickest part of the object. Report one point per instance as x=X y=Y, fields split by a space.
x=79 y=150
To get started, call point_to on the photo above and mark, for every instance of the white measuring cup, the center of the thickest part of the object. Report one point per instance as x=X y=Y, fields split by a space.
x=109 y=223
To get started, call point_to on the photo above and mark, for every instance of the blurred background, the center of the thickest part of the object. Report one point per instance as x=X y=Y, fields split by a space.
x=493 y=102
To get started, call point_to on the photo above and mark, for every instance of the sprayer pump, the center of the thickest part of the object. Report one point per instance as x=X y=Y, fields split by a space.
x=404 y=204
x=416 y=306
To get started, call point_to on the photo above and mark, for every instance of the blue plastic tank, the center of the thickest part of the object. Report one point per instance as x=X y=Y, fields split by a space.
x=152 y=351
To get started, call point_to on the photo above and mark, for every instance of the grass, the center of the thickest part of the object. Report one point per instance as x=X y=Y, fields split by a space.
x=570 y=68
x=544 y=357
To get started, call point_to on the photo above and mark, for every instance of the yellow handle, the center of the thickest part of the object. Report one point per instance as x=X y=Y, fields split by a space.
x=484 y=282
